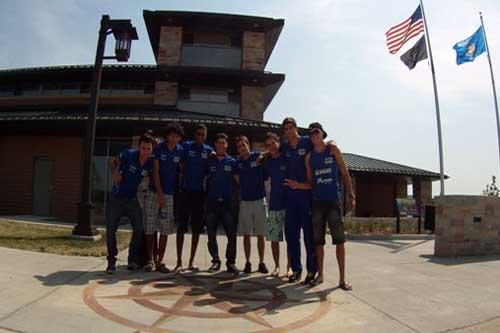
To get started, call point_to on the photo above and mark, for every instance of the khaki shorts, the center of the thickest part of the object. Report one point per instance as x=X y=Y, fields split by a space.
x=252 y=218
x=153 y=220
x=275 y=225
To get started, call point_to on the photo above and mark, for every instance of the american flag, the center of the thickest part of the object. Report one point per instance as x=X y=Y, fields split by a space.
x=404 y=31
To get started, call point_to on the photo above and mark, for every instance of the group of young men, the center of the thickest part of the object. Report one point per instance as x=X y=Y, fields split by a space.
x=304 y=174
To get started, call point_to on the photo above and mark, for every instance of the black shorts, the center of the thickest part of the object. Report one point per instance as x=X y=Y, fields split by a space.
x=323 y=212
x=192 y=211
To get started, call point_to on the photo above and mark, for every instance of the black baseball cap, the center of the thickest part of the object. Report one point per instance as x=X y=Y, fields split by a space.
x=289 y=120
x=317 y=126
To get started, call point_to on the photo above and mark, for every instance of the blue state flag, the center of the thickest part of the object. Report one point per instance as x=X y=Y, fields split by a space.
x=468 y=49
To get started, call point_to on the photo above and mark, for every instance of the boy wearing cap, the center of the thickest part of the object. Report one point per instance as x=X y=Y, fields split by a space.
x=160 y=202
x=253 y=207
x=128 y=171
x=323 y=174
x=221 y=169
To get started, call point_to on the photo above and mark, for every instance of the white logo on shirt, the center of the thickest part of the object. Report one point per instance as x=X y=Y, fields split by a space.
x=227 y=168
x=253 y=164
x=322 y=171
x=204 y=155
x=302 y=151
x=329 y=160
x=176 y=159
x=324 y=181
x=213 y=169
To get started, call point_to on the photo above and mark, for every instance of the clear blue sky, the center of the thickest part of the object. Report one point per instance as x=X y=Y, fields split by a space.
x=338 y=71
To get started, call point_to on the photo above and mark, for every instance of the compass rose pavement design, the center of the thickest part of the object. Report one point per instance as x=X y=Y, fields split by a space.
x=203 y=302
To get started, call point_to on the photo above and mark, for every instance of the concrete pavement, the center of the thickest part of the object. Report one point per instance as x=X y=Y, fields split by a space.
x=398 y=287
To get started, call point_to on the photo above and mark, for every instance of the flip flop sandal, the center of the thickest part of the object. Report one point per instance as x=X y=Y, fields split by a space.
x=345 y=286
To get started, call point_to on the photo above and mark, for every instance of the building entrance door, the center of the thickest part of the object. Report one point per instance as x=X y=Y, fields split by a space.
x=42 y=186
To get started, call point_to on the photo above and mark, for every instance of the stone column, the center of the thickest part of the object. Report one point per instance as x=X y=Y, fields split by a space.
x=170 y=46
x=252 y=103
x=165 y=93
x=254 y=45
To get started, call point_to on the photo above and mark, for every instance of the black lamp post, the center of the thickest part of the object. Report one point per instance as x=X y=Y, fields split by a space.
x=124 y=32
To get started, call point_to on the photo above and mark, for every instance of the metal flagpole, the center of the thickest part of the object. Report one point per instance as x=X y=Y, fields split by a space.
x=492 y=82
x=436 y=100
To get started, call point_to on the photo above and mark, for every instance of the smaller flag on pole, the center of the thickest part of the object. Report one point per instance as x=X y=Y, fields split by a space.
x=468 y=49
x=399 y=34
x=417 y=53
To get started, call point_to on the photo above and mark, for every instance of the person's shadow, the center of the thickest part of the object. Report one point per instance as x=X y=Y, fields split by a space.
x=82 y=278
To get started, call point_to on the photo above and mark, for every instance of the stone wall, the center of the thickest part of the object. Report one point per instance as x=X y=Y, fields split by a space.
x=165 y=93
x=169 y=48
x=252 y=103
x=467 y=225
x=254 y=50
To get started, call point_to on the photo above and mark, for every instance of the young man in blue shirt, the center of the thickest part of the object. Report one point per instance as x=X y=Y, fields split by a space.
x=196 y=155
x=323 y=174
x=275 y=170
x=127 y=172
x=160 y=200
x=253 y=207
x=221 y=169
x=298 y=200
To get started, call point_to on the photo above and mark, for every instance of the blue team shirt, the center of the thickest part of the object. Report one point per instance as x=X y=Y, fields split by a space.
x=325 y=176
x=169 y=164
x=275 y=169
x=295 y=158
x=220 y=177
x=195 y=164
x=251 y=178
x=132 y=173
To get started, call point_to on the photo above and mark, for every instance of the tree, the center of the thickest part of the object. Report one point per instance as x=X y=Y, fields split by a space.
x=491 y=189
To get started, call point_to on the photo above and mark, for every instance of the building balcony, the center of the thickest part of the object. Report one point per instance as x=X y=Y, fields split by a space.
x=211 y=56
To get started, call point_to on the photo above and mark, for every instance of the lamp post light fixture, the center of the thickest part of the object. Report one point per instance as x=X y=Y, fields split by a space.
x=124 y=32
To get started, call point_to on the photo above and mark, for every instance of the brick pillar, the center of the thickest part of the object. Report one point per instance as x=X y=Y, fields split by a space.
x=165 y=93
x=353 y=181
x=169 y=48
x=254 y=45
x=422 y=192
x=252 y=103
x=401 y=188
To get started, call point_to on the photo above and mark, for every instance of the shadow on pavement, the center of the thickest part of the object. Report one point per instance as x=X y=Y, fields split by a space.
x=458 y=260
x=81 y=278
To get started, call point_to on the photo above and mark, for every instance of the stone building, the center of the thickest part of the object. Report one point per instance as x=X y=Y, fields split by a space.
x=210 y=68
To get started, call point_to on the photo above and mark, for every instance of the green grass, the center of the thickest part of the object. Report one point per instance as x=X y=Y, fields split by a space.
x=53 y=239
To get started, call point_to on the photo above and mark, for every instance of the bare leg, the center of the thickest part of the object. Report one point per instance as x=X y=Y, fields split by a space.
x=275 y=249
x=194 y=245
x=149 y=248
x=180 y=245
x=261 y=244
x=162 y=246
x=340 y=252
x=246 y=246
x=320 y=254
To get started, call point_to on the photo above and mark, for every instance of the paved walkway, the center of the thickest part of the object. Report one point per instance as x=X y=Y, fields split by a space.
x=398 y=287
